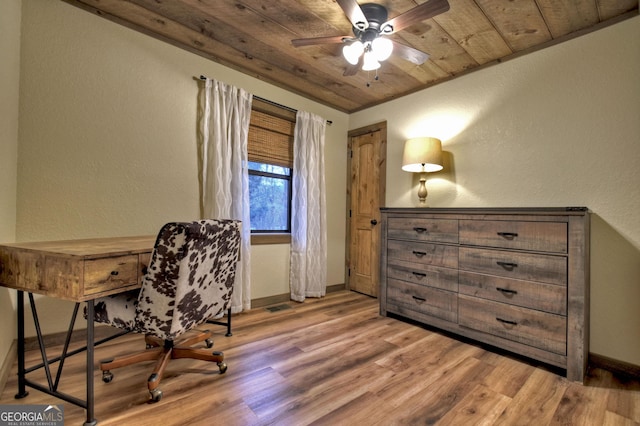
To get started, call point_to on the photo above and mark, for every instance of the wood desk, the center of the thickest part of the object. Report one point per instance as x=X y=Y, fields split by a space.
x=75 y=270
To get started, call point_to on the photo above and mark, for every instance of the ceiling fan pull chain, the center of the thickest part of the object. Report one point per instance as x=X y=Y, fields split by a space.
x=376 y=78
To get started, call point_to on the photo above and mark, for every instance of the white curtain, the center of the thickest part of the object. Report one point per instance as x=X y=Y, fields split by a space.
x=223 y=116
x=308 y=274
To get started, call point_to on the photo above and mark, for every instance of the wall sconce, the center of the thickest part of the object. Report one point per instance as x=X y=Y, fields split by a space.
x=422 y=155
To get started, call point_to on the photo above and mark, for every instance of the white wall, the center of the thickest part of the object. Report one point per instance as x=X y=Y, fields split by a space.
x=10 y=15
x=558 y=127
x=108 y=138
x=107 y=146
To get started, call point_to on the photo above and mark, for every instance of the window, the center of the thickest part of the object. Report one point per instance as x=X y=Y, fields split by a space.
x=270 y=150
x=270 y=194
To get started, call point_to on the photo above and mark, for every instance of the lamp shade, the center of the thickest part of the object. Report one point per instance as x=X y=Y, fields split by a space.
x=352 y=52
x=422 y=155
x=382 y=47
x=370 y=62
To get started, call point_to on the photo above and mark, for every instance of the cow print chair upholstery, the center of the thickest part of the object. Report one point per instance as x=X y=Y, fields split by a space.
x=188 y=281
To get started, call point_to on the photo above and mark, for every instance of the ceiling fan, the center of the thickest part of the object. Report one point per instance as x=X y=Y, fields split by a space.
x=368 y=45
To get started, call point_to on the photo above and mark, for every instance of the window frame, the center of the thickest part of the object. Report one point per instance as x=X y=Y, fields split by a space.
x=279 y=113
x=289 y=179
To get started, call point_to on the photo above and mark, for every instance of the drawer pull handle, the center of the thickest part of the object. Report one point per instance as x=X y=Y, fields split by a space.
x=114 y=273
x=420 y=230
x=507 y=265
x=419 y=299
x=419 y=274
x=508 y=235
x=506 y=290
x=420 y=253
x=504 y=321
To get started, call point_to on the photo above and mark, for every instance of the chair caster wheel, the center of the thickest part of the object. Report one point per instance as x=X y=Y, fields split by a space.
x=223 y=367
x=156 y=395
x=208 y=343
x=107 y=376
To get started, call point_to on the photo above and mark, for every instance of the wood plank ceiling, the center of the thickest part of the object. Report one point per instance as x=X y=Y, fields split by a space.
x=254 y=37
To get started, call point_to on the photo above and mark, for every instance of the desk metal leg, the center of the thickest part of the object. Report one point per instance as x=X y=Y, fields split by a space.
x=22 y=390
x=227 y=323
x=51 y=386
x=91 y=421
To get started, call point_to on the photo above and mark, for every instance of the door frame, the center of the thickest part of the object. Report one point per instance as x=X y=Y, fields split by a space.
x=382 y=184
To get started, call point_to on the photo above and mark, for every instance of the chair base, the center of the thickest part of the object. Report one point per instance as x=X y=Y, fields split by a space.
x=162 y=352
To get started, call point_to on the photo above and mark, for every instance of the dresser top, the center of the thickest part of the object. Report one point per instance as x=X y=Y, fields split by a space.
x=579 y=211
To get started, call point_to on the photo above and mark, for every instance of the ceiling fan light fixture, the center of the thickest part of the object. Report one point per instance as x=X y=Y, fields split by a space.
x=352 y=52
x=370 y=62
x=370 y=27
x=382 y=47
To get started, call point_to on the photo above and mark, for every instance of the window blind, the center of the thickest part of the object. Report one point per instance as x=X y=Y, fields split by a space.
x=271 y=132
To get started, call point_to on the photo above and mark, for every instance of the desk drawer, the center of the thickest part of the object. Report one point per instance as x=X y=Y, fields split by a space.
x=534 y=328
x=111 y=272
x=522 y=266
x=426 y=300
x=144 y=259
x=423 y=229
x=528 y=294
x=511 y=234
x=423 y=253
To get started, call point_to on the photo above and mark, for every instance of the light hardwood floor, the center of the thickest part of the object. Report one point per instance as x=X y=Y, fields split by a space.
x=335 y=361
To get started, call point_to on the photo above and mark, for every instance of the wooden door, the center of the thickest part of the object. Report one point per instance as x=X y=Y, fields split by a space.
x=365 y=196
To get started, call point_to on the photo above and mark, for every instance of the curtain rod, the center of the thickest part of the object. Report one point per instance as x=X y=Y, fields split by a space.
x=329 y=122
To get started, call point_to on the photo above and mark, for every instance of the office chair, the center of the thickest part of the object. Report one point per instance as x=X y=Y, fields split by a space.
x=189 y=280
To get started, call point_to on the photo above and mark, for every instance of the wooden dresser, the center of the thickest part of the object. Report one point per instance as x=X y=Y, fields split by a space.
x=514 y=278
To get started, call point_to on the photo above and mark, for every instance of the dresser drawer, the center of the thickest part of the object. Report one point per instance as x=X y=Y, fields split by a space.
x=423 y=229
x=423 y=253
x=432 y=276
x=528 y=294
x=511 y=234
x=427 y=300
x=534 y=328
x=523 y=266
x=112 y=272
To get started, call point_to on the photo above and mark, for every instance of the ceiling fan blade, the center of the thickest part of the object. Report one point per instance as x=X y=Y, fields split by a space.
x=319 y=40
x=417 y=14
x=415 y=56
x=352 y=9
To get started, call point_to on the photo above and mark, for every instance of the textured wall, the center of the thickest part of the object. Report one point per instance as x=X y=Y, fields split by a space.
x=107 y=119
x=553 y=128
x=9 y=83
x=108 y=137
